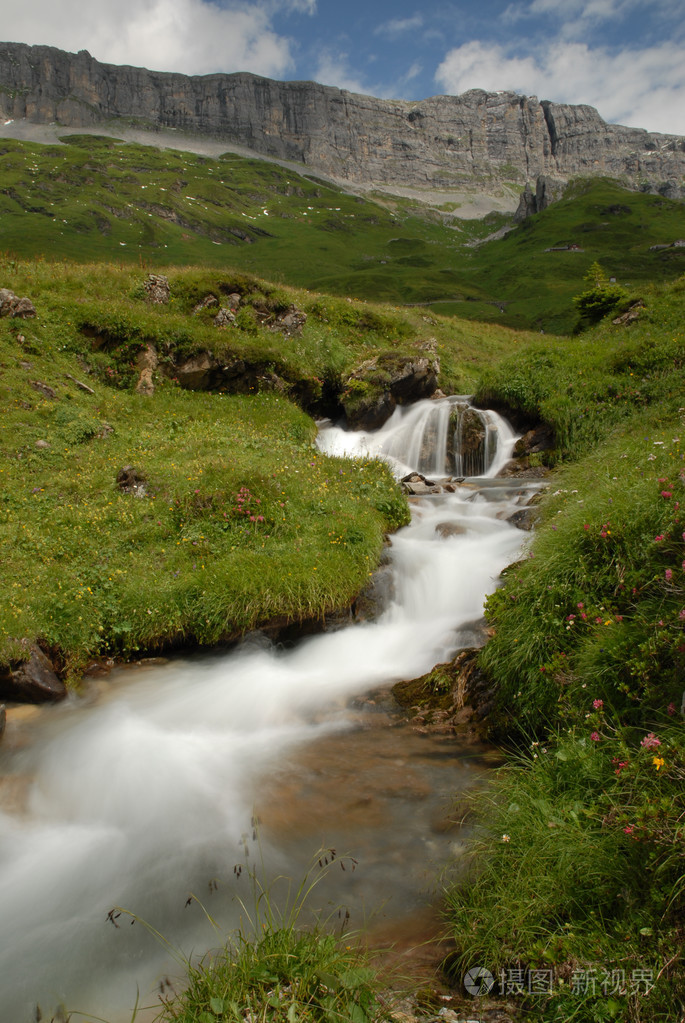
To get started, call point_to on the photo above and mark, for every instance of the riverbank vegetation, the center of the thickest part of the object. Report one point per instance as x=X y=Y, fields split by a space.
x=577 y=897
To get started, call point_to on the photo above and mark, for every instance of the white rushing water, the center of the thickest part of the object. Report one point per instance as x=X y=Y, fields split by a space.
x=136 y=799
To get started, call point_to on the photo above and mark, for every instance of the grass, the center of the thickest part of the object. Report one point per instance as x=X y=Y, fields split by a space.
x=275 y=969
x=590 y=383
x=578 y=868
x=282 y=977
x=577 y=878
x=95 y=198
x=240 y=521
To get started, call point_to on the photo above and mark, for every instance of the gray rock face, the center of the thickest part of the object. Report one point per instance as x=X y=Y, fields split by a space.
x=442 y=143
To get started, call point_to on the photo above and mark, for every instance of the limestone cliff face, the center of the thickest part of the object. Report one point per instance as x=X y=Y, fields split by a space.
x=440 y=143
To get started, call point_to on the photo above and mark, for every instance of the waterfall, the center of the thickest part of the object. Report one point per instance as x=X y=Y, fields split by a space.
x=142 y=790
x=445 y=438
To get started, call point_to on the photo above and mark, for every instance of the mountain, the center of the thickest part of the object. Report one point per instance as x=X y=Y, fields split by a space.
x=446 y=143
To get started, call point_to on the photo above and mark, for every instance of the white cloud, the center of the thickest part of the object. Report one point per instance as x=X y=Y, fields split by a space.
x=643 y=88
x=398 y=26
x=413 y=71
x=334 y=69
x=187 y=36
x=582 y=13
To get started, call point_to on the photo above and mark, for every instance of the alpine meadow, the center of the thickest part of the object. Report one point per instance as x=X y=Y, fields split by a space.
x=203 y=354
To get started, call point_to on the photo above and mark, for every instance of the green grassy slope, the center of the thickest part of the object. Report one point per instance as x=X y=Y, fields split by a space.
x=241 y=520
x=95 y=199
x=578 y=868
x=607 y=224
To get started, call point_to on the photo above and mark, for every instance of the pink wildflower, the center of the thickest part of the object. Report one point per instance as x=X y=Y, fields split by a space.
x=595 y=736
x=668 y=575
x=597 y=704
x=650 y=741
x=667 y=494
x=629 y=829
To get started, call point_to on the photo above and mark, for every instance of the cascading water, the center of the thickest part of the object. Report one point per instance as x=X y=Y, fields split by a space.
x=144 y=794
x=444 y=437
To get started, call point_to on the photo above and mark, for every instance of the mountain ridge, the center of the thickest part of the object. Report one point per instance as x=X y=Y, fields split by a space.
x=441 y=143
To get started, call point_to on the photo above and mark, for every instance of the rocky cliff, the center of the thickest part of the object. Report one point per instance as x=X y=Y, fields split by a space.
x=446 y=142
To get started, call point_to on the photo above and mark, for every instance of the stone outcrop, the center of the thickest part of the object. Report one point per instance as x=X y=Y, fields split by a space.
x=445 y=142
x=13 y=306
x=376 y=387
x=157 y=289
x=32 y=681
x=547 y=190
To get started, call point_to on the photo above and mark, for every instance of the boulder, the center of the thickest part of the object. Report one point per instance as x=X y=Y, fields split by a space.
x=376 y=595
x=369 y=412
x=290 y=323
x=32 y=681
x=224 y=318
x=541 y=438
x=11 y=305
x=157 y=289
x=205 y=372
x=417 y=485
x=630 y=315
x=524 y=518
x=447 y=529
x=44 y=389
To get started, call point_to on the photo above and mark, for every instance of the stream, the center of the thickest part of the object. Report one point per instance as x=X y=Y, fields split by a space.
x=184 y=779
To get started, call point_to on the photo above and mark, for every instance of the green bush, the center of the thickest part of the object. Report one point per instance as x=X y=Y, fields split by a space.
x=599 y=299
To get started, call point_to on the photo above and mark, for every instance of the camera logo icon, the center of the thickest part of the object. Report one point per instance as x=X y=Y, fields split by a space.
x=479 y=981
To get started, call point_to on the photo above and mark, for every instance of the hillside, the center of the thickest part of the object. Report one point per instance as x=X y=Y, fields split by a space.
x=159 y=481
x=94 y=198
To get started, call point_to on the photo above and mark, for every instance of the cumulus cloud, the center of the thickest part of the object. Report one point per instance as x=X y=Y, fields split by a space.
x=642 y=88
x=188 y=36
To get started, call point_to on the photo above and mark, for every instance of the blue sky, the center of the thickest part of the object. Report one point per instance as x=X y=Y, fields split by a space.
x=625 y=57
